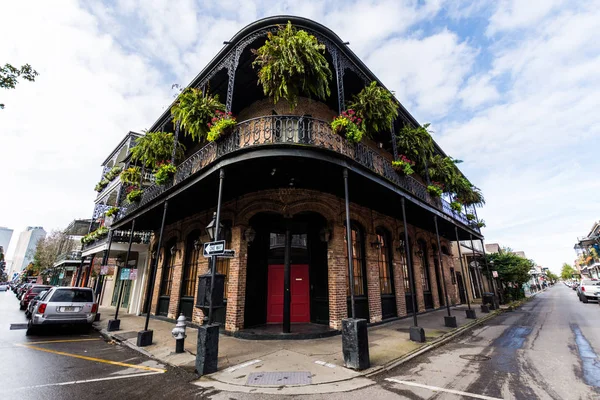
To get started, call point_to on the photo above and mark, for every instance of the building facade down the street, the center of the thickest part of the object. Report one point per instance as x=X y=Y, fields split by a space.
x=588 y=253
x=104 y=268
x=26 y=248
x=288 y=180
x=5 y=236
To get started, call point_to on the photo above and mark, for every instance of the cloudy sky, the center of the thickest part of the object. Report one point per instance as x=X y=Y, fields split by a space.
x=510 y=87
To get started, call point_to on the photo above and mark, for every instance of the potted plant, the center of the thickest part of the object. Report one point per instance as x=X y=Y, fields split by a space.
x=292 y=63
x=164 y=172
x=112 y=211
x=101 y=185
x=131 y=175
x=435 y=189
x=349 y=125
x=154 y=147
x=222 y=123
x=415 y=143
x=134 y=194
x=194 y=111
x=479 y=223
x=471 y=217
x=113 y=173
x=456 y=206
x=377 y=107
x=404 y=165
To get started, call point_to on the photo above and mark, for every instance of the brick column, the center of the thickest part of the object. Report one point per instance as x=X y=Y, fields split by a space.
x=452 y=288
x=433 y=281
x=373 y=290
x=398 y=280
x=419 y=283
x=337 y=278
x=236 y=297
x=176 y=282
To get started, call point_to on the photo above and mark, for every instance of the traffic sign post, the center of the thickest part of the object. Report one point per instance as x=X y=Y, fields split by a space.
x=227 y=253
x=214 y=248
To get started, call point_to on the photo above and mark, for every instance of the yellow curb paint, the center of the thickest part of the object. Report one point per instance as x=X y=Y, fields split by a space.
x=100 y=360
x=61 y=341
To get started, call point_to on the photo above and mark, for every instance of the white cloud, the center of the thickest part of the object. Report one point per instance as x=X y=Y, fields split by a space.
x=478 y=91
x=515 y=14
x=426 y=73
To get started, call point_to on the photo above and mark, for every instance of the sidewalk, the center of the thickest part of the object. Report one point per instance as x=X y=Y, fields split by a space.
x=245 y=365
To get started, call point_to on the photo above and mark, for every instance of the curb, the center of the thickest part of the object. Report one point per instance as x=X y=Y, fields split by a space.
x=433 y=345
x=109 y=336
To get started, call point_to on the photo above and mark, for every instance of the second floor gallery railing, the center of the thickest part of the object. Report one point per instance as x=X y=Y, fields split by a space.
x=293 y=130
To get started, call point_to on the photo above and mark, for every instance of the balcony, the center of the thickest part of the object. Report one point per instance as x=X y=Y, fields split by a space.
x=120 y=236
x=293 y=130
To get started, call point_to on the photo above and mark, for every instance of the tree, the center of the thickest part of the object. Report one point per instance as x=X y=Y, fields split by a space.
x=48 y=249
x=552 y=276
x=567 y=272
x=9 y=76
x=513 y=271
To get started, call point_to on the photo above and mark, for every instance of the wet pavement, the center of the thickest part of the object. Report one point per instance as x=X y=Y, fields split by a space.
x=74 y=364
x=547 y=349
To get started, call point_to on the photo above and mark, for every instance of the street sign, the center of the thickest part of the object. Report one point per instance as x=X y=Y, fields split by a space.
x=214 y=248
x=227 y=254
x=495 y=274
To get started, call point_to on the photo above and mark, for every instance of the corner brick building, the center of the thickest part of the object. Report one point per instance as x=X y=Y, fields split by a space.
x=284 y=178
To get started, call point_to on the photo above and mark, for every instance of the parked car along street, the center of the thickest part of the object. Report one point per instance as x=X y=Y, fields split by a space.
x=589 y=290
x=64 y=306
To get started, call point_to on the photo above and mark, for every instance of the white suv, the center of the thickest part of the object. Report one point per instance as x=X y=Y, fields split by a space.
x=589 y=290
x=64 y=305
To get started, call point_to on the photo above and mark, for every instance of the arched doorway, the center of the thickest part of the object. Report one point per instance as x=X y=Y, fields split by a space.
x=265 y=274
x=166 y=281
x=193 y=252
x=386 y=277
x=359 y=269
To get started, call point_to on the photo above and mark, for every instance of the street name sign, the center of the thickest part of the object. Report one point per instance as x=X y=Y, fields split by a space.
x=227 y=254
x=214 y=248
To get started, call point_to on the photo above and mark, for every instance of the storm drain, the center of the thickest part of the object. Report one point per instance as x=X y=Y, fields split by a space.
x=279 y=378
x=475 y=357
x=14 y=327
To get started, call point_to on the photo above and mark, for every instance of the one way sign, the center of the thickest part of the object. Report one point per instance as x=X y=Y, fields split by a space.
x=214 y=248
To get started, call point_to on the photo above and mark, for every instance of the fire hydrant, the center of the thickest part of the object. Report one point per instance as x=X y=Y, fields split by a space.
x=179 y=334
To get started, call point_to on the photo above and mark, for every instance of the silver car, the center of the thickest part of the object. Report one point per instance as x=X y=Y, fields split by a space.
x=64 y=305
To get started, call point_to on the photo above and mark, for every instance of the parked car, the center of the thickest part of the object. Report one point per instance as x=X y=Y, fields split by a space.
x=589 y=290
x=64 y=306
x=31 y=293
x=23 y=290
x=34 y=302
x=3 y=287
x=575 y=286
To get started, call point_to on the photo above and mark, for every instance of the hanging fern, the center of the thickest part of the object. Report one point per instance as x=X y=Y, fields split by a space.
x=131 y=175
x=377 y=107
x=194 y=112
x=443 y=169
x=155 y=147
x=415 y=143
x=292 y=63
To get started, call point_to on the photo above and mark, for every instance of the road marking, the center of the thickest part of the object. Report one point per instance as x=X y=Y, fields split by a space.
x=439 y=389
x=247 y=363
x=120 y=364
x=61 y=341
x=110 y=378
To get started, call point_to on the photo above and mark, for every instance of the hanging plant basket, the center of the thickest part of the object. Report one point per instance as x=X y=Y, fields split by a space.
x=348 y=125
x=456 y=206
x=435 y=190
x=292 y=63
x=164 y=173
x=194 y=111
x=403 y=166
x=134 y=195
x=221 y=126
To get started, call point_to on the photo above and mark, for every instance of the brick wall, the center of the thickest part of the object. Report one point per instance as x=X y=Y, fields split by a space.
x=291 y=202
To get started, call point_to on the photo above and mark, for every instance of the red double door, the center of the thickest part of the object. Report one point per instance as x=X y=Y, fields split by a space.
x=299 y=287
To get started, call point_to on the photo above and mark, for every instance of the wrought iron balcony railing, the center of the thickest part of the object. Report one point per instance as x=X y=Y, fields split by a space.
x=120 y=236
x=70 y=256
x=293 y=130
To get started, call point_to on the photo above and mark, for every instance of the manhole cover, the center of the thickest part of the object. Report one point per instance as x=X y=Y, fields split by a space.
x=279 y=378
x=17 y=326
x=474 y=357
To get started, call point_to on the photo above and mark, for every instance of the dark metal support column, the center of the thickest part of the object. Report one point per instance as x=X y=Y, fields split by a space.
x=394 y=144
x=339 y=78
x=145 y=337
x=417 y=334
x=470 y=313
x=175 y=142
x=115 y=324
x=349 y=244
x=230 y=84
x=287 y=296
x=491 y=278
x=449 y=320
x=484 y=308
x=217 y=234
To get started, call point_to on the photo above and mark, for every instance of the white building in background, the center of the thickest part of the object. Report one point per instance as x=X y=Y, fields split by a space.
x=5 y=235
x=26 y=247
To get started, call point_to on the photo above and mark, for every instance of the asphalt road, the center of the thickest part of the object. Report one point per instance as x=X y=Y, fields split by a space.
x=548 y=349
x=70 y=364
